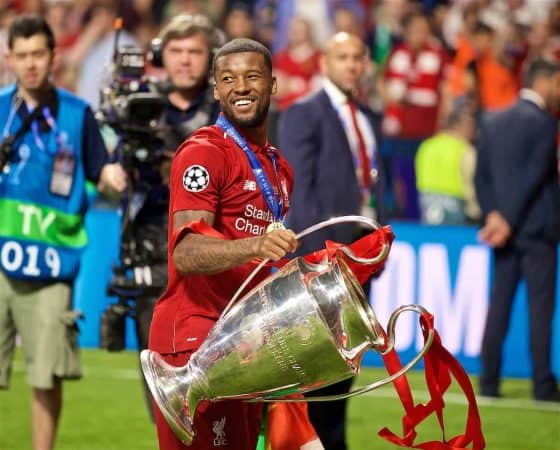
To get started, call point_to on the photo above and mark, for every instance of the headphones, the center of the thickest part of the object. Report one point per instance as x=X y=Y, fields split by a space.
x=183 y=26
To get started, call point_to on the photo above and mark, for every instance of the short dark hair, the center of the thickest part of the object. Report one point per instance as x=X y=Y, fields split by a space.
x=27 y=26
x=539 y=68
x=243 y=45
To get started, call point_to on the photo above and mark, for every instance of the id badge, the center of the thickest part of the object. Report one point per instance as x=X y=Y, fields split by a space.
x=63 y=173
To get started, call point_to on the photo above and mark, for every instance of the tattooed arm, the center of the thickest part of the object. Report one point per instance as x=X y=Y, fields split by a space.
x=198 y=254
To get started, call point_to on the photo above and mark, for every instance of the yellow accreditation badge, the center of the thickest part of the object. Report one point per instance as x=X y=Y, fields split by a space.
x=275 y=226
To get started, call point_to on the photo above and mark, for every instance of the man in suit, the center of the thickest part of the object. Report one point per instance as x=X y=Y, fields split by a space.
x=330 y=142
x=517 y=186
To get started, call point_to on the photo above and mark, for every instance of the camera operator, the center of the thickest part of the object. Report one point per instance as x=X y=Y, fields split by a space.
x=184 y=48
x=50 y=146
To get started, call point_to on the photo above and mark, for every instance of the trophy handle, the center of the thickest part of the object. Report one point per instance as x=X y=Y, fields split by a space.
x=326 y=223
x=370 y=387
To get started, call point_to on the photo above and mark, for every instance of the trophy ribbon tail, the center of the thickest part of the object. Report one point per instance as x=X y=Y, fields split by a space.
x=439 y=367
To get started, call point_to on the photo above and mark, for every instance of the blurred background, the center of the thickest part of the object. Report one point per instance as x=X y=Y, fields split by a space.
x=478 y=51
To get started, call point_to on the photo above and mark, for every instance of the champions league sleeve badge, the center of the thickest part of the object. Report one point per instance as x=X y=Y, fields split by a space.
x=196 y=178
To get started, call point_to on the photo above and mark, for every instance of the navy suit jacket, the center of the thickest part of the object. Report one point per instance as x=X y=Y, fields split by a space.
x=517 y=172
x=312 y=138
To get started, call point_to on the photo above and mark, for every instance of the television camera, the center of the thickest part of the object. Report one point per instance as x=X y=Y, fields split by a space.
x=132 y=108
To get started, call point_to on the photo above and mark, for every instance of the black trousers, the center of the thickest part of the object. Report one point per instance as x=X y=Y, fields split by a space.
x=329 y=418
x=143 y=319
x=144 y=310
x=537 y=263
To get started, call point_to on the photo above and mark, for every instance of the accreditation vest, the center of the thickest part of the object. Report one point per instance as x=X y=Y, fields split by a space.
x=42 y=234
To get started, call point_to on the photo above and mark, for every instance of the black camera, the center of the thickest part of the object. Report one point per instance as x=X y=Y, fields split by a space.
x=130 y=103
x=113 y=327
x=6 y=150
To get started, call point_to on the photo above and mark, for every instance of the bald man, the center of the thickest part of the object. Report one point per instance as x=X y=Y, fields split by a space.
x=330 y=139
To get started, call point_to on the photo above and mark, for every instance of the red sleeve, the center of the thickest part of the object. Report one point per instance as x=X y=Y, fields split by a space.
x=197 y=175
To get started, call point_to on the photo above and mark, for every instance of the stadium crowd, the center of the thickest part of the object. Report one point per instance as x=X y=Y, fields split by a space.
x=435 y=66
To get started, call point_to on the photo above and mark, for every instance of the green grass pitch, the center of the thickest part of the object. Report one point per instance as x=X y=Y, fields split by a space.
x=106 y=411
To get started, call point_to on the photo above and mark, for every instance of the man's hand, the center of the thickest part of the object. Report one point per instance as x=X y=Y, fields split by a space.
x=276 y=244
x=496 y=230
x=112 y=180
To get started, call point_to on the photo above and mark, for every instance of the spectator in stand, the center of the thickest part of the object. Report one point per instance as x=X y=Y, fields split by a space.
x=7 y=15
x=445 y=165
x=173 y=8
x=463 y=80
x=412 y=92
x=319 y=13
x=382 y=37
x=542 y=44
x=93 y=53
x=497 y=72
x=388 y=29
x=59 y=14
x=346 y=20
x=239 y=21
x=519 y=193
x=297 y=67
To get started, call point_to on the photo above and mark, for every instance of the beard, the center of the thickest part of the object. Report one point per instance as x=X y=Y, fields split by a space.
x=257 y=119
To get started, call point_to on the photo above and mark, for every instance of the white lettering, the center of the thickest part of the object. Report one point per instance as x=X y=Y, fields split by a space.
x=248 y=227
x=44 y=224
x=252 y=212
x=11 y=256
x=31 y=268
x=28 y=212
x=52 y=259
x=395 y=287
x=460 y=312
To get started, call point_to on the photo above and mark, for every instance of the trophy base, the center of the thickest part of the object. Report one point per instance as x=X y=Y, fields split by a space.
x=174 y=409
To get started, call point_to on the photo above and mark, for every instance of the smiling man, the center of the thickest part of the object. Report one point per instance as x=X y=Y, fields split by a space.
x=184 y=48
x=230 y=177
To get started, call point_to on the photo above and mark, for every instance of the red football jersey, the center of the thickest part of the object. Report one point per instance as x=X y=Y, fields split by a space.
x=210 y=172
x=413 y=81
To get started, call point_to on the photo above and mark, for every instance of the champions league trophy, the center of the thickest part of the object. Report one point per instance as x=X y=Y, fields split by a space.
x=304 y=327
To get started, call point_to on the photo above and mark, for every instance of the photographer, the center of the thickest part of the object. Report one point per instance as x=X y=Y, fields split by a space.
x=184 y=49
x=50 y=146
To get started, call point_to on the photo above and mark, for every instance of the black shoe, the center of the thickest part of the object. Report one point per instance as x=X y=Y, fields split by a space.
x=491 y=393
x=554 y=397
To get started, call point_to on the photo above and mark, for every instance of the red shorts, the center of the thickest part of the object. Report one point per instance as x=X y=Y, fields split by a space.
x=231 y=424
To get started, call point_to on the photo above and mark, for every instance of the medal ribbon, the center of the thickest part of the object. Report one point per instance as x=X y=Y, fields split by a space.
x=275 y=206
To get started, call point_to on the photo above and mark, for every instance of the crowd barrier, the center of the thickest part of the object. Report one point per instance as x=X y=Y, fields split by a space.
x=445 y=269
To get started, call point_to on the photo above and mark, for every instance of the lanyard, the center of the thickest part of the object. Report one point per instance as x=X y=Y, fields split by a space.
x=46 y=112
x=275 y=206
x=11 y=116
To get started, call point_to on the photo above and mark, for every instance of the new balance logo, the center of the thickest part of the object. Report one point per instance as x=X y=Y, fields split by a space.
x=250 y=185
